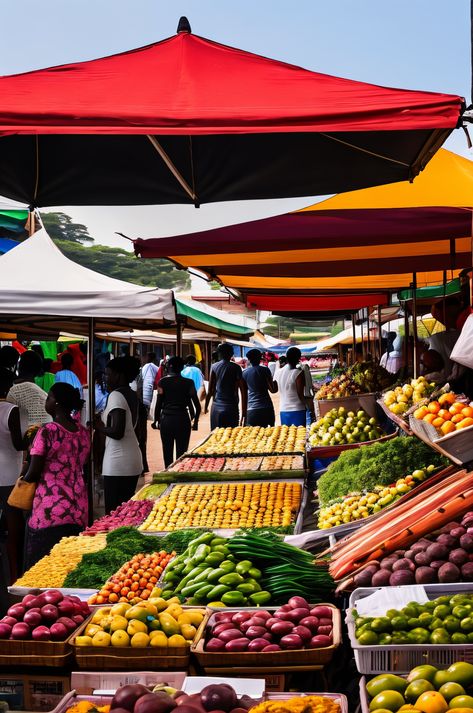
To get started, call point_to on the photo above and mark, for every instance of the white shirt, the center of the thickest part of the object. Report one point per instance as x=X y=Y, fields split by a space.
x=122 y=456
x=31 y=400
x=10 y=458
x=148 y=374
x=288 y=397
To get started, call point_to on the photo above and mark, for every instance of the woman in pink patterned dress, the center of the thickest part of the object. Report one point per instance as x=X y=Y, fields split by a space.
x=58 y=455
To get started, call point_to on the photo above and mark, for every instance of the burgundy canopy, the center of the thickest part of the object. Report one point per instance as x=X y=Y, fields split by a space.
x=191 y=120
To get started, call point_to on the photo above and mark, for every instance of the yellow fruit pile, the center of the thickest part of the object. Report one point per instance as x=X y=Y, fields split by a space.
x=254 y=439
x=226 y=505
x=154 y=623
x=52 y=570
x=400 y=399
x=299 y=704
x=283 y=463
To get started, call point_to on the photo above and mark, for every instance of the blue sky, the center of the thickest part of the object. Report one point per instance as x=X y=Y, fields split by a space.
x=414 y=44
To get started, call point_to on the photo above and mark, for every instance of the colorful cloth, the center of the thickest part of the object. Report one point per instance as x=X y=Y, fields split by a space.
x=61 y=495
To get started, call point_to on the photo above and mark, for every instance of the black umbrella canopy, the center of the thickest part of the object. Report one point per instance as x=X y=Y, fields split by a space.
x=187 y=120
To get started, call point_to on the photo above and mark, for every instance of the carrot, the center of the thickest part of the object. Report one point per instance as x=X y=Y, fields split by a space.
x=430 y=510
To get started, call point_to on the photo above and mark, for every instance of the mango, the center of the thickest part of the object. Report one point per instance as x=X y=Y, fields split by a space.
x=168 y=624
x=139 y=640
x=160 y=603
x=100 y=614
x=177 y=641
x=158 y=639
x=120 y=608
x=174 y=610
x=92 y=629
x=118 y=622
x=135 y=626
x=83 y=641
x=191 y=616
x=101 y=638
x=188 y=631
x=141 y=611
x=120 y=639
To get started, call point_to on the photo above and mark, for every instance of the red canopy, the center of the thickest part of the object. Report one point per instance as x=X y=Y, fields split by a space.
x=229 y=124
x=315 y=303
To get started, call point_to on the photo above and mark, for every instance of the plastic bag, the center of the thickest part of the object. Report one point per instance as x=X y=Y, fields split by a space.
x=462 y=352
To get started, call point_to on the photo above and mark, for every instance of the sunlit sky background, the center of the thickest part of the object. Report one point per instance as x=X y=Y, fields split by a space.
x=413 y=44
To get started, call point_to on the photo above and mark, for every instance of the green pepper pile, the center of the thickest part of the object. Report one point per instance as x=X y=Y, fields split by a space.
x=207 y=572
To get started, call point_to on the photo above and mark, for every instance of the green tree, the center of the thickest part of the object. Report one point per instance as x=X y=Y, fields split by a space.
x=59 y=226
x=114 y=262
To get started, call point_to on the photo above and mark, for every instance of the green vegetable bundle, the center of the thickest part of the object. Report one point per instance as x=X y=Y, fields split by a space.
x=287 y=570
x=122 y=544
x=380 y=464
x=208 y=572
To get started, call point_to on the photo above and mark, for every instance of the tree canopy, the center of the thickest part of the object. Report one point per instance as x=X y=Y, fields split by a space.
x=74 y=240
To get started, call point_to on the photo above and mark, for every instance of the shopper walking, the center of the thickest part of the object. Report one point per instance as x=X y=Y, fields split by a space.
x=122 y=423
x=149 y=371
x=57 y=457
x=226 y=380
x=292 y=401
x=260 y=384
x=66 y=375
x=191 y=371
x=177 y=406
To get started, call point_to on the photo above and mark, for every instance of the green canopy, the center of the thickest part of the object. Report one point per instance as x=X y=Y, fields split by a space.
x=208 y=319
x=432 y=292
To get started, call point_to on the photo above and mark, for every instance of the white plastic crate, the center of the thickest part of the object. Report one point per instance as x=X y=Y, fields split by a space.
x=401 y=658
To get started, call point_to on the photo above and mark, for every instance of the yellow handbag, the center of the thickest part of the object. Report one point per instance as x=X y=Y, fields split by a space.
x=22 y=495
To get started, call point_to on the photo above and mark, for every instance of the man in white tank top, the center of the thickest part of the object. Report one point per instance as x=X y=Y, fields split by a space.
x=291 y=381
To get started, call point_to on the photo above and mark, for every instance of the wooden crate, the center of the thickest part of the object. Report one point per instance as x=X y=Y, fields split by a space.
x=35 y=653
x=113 y=658
x=33 y=692
x=295 y=657
x=315 y=452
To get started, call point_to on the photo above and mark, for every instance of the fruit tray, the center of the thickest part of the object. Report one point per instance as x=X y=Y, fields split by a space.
x=253 y=471
x=244 y=454
x=457 y=446
x=113 y=658
x=352 y=403
x=401 y=658
x=294 y=657
x=314 y=452
x=227 y=532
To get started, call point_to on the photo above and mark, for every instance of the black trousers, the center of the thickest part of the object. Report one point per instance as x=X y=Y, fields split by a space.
x=224 y=417
x=175 y=432
x=117 y=489
x=261 y=416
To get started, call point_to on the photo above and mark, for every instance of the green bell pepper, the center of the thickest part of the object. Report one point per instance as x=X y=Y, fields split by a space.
x=217 y=592
x=255 y=573
x=214 y=558
x=202 y=593
x=231 y=579
x=260 y=598
x=247 y=588
x=244 y=566
x=233 y=598
x=227 y=566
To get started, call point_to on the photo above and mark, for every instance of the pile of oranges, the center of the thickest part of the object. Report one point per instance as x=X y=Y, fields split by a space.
x=135 y=580
x=447 y=414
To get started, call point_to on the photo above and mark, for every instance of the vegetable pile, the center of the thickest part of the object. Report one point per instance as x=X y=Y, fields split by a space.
x=441 y=502
x=445 y=620
x=379 y=464
x=286 y=569
x=133 y=512
x=425 y=689
x=120 y=545
x=443 y=556
x=226 y=505
x=208 y=572
x=296 y=625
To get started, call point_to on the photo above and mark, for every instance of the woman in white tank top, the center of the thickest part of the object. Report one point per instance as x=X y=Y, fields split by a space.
x=291 y=382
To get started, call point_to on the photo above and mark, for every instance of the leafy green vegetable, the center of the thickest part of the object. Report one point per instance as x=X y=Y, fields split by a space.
x=380 y=464
x=122 y=544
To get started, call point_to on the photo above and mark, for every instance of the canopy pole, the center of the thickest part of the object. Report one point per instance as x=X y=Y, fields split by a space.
x=368 y=351
x=353 y=327
x=178 y=337
x=380 y=339
x=91 y=399
x=406 y=339
x=175 y=172
x=414 y=323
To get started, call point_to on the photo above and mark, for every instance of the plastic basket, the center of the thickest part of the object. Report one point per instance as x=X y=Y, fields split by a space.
x=401 y=658
x=286 y=695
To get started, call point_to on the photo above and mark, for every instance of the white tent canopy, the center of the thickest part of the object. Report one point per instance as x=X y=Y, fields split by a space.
x=42 y=290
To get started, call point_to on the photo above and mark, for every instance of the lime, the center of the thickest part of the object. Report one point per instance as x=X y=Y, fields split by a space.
x=450 y=690
x=385 y=639
x=466 y=624
x=416 y=688
x=440 y=678
x=461 y=702
x=390 y=700
x=368 y=638
x=451 y=623
x=459 y=637
x=381 y=624
x=461 y=611
x=441 y=611
x=419 y=635
x=440 y=636
x=436 y=623
x=400 y=623
x=460 y=599
x=425 y=618
x=425 y=672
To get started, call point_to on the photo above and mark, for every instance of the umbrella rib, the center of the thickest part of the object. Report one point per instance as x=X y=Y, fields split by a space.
x=370 y=153
x=175 y=172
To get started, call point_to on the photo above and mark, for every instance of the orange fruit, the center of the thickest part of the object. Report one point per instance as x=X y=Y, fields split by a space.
x=456 y=407
x=467 y=411
x=429 y=418
x=421 y=412
x=446 y=415
x=431 y=702
x=434 y=407
x=447 y=427
x=457 y=418
x=448 y=398
x=438 y=422
x=466 y=422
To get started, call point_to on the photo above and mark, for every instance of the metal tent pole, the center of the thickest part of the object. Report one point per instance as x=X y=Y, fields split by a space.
x=353 y=327
x=91 y=399
x=380 y=339
x=414 y=322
